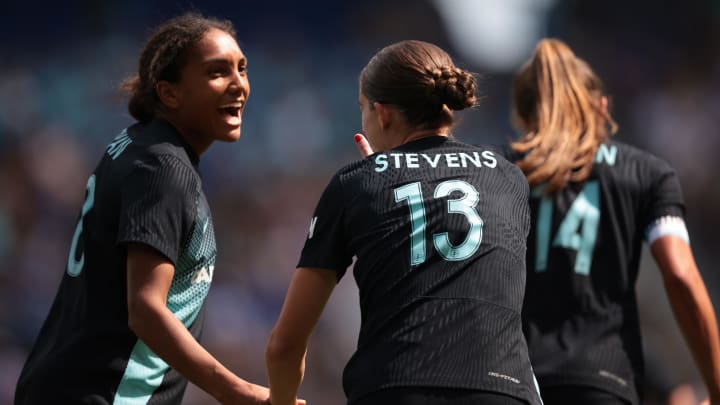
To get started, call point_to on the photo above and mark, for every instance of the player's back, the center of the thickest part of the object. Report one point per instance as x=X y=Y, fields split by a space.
x=438 y=228
x=580 y=313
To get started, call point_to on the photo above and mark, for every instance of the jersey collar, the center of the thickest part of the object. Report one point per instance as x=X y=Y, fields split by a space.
x=168 y=131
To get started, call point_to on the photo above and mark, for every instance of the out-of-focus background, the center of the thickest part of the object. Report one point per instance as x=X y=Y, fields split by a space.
x=60 y=64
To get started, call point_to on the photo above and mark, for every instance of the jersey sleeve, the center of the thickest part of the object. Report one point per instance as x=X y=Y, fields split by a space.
x=664 y=197
x=326 y=243
x=158 y=202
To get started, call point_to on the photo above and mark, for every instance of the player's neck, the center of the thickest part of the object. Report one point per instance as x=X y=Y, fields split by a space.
x=424 y=133
x=198 y=142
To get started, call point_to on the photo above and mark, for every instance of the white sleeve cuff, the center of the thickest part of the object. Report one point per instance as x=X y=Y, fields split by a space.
x=664 y=226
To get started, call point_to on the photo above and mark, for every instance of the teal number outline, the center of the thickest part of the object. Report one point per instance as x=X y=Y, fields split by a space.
x=75 y=267
x=585 y=211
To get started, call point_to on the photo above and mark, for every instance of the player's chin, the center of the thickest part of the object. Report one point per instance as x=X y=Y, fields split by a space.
x=229 y=135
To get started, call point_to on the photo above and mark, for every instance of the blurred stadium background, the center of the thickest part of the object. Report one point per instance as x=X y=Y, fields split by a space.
x=61 y=62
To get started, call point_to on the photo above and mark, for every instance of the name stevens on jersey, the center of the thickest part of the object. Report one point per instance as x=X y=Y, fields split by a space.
x=416 y=160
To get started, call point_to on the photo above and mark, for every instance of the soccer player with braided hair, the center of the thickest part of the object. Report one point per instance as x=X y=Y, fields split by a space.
x=124 y=325
x=438 y=228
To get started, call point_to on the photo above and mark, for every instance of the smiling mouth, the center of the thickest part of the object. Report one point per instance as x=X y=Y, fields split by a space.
x=232 y=111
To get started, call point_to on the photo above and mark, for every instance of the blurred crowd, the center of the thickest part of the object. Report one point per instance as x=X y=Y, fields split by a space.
x=59 y=107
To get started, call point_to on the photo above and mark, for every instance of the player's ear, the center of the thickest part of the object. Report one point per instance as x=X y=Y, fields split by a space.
x=168 y=94
x=384 y=114
x=604 y=104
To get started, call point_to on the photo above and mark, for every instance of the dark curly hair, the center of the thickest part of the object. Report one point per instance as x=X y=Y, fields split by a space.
x=164 y=55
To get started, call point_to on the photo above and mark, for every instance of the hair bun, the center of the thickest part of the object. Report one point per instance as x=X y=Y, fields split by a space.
x=453 y=87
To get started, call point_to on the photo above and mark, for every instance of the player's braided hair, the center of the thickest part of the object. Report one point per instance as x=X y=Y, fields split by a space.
x=451 y=86
x=421 y=80
x=163 y=57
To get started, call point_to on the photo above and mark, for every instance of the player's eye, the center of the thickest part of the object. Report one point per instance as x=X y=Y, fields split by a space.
x=217 y=72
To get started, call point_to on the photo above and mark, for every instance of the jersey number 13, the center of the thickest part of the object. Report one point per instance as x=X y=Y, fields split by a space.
x=465 y=205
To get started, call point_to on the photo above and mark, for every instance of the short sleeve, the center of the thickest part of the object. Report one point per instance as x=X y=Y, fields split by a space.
x=158 y=203
x=326 y=243
x=664 y=197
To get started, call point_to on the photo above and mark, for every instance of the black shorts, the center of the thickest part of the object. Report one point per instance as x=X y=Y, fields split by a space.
x=577 y=394
x=436 y=396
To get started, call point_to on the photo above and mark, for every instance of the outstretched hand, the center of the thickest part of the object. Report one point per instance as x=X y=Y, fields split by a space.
x=297 y=402
x=250 y=393
x=363 y=145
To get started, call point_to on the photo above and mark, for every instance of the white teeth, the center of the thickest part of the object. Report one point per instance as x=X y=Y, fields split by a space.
x=232 y=105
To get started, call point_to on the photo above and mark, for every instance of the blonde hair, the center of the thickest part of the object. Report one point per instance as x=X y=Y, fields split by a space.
x=558 y=99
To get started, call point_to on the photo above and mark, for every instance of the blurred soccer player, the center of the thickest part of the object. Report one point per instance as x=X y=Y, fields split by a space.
x=439 y=229
x=593 y=202
x=124 y=323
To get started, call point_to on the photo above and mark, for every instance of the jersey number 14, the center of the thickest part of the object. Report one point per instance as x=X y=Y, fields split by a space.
x=578 y=230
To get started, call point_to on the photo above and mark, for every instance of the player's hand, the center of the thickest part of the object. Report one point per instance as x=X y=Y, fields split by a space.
x=298 y=402
x=363 y=145
x=711 y=401
x=252 y=395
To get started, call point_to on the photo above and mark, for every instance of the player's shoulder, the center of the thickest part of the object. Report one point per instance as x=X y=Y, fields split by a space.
x=504 y=150
x=353 y=167
x=155 y=144
x=504 y=157
x=624 y=155
x=152 y=155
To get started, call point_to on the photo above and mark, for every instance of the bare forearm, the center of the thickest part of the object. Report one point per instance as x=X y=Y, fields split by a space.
x=285 y=353
x=165 y=335
x=695 y=315
x=285 y=373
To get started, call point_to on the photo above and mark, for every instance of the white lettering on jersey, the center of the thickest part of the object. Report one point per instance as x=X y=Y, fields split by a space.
x=414 y=161
x=411 y=160
x=490 y=159
x=434 y=162
x=606 y=154
x=614 y=377
x=311 y=231
x=381 y=161
x=452 y=160
x=667 y=226
x=397 y=158
x=205 y=274
x=503 y=377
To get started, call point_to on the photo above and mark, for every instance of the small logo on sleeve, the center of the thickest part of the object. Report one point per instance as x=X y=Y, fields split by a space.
x=613 y=377
x=312 y=227
x=504 y=377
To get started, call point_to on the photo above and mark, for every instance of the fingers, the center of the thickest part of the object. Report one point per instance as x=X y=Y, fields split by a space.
x=363 y=145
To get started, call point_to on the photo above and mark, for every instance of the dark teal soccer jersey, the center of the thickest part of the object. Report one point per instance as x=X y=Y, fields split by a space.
x=439 y=231
x=146 y=189
x=580 y=311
